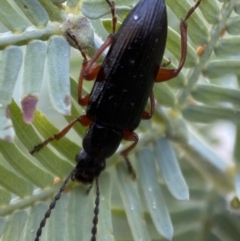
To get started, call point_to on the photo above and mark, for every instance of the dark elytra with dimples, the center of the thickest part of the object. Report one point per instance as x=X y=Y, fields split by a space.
x=126 y=79
x=120 y=93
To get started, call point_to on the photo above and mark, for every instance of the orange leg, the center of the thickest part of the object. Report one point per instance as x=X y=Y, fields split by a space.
x=148 y=115
x=90 y=75
x=106 y=44
x=90 y=69
x=167 y=74
x=83 y=119
x=129 y=136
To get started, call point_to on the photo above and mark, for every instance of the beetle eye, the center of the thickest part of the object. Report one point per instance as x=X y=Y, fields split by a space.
x=82 y=155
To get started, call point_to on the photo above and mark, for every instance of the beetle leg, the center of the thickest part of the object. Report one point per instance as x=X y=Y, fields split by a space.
x=148 y=115
x=129 y=136
x=83 y=100
x=114 y=17
x=90 y=70
x=83 y=119
x=108 y=41
x=91 y=62
x=167 y=74
x=75 y=42
x=91 y=75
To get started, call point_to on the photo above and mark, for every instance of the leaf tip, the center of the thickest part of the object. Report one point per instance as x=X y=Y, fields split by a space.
x=28 y=106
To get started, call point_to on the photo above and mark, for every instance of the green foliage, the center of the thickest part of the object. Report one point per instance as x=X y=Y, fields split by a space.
x=179 y=156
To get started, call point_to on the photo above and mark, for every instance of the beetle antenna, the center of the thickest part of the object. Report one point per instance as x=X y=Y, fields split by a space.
x=53 y=203
x=96 y=211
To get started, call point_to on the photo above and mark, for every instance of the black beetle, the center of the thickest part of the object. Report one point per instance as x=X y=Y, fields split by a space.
x=120 y=93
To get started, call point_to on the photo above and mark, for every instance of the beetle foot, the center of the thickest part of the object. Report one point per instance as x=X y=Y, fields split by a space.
x=130 y=168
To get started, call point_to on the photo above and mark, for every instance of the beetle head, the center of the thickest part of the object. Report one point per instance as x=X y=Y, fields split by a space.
x=88 y=168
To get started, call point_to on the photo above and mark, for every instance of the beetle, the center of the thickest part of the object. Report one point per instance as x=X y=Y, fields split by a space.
x=123 y=85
